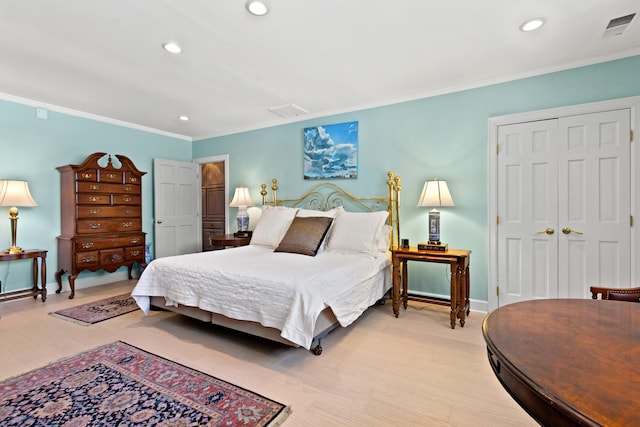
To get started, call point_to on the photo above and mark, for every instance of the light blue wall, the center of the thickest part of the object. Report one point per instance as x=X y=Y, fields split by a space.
x=443 y=136
x=32 y=148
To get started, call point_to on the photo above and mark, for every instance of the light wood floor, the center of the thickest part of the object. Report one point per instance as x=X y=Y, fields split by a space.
x=381 y=371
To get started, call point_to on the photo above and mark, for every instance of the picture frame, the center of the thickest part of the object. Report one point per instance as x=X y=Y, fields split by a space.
x=331 y=151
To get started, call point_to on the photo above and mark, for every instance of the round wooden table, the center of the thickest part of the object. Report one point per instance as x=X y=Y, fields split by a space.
x=569 y=361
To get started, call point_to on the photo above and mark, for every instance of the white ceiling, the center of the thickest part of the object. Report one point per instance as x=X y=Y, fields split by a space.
x=104 y=57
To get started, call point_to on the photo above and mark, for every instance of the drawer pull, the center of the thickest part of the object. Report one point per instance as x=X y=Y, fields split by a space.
x=87 y=245
x=88 y=259
x=127 y=188
x=94 y=226
x=134 y=241
x=127 y=224
x=111 y=175
x=127 y=211
x=94 y=211
x=87 y=175
x=115 y=257
x=94 y=187
x=94 y=199
x=127 y=199
x=133 y=179
x=135 y=253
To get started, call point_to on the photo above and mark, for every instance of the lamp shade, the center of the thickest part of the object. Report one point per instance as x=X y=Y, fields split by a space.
x=434 y=194
x=241 y=197
x=15 y=193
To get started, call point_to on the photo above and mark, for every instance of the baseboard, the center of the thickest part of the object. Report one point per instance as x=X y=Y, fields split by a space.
x=88 y=281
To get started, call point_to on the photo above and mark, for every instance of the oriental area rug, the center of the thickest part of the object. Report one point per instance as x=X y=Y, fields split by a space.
x=97 y=311
x=121 y=385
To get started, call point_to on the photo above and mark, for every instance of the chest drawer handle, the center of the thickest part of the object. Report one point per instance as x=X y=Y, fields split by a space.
x=94 y=211
x=127 y=199
x=134 y=241
x=88 y=259
x=94 y=226
x=87 y=245
x=127 y=211
x=94 y=199
x=111 y=175
x=133 y=179
x=135 y=253
x=87 y=176
x=127 y=188
x=126 y=224
x=94 y=187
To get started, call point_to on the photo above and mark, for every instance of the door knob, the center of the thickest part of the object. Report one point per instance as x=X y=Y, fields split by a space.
x=159 y=221
x=548 y=231
x=567 y=230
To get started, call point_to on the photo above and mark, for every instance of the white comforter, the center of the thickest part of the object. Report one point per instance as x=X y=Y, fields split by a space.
x=280 y=290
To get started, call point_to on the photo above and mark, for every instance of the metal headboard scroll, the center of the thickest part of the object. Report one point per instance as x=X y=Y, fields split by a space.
x=328 y=195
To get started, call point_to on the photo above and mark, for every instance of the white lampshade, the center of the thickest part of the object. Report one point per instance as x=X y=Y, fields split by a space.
x=241 y=197
x=434 y=194
x=15 y=193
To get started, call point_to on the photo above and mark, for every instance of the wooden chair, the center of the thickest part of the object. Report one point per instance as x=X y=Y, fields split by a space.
x=620 y=294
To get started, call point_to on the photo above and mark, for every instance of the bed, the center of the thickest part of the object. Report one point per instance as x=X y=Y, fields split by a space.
x=314 y=263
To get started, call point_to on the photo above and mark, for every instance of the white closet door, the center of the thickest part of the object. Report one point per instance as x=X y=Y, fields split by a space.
x=527 y=189
x=594 y=188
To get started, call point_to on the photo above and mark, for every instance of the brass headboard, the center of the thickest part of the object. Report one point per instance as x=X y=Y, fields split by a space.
x=328 y=195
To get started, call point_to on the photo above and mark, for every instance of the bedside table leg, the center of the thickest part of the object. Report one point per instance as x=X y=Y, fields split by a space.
x=395 y=280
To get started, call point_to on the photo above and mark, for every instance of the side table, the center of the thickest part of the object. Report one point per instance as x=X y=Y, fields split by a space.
x=458 y=259
x=35 y=290
x=229 y=240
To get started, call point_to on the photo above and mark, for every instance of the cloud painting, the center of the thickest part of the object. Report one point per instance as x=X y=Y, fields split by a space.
x=331 y=151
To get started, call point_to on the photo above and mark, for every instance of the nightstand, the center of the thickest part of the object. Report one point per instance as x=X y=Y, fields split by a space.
x=228 y=240
x=35 y=290
x=458 y=260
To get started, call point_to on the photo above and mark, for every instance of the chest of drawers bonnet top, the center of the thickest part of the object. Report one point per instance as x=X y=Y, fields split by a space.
x=101 y=217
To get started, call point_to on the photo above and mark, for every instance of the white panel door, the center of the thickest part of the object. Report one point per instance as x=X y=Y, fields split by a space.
x=527 y=211
x=176 y=195
x=564 y=206
x=595 y=202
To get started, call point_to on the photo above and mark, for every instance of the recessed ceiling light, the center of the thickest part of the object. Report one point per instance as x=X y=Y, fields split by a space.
x=184 y=118
x=257 y=8
x=532 y=24
x=172 y=47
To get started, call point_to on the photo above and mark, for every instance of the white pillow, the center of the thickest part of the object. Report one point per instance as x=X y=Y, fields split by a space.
x=384 y=239
x=356 y=231
x=304 y=213
x=272 y=226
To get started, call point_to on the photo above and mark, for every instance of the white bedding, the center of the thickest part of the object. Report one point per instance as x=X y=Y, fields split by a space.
x=280 y=290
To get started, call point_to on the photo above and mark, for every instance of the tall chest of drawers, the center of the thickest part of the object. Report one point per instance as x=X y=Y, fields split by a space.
x=101 y=215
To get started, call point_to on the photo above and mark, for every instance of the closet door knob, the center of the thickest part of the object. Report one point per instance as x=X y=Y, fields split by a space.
x=548 y=231
x=567 y=230
x=159 y=221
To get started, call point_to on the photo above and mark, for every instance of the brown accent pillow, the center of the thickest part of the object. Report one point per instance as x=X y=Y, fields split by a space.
x=305 y=235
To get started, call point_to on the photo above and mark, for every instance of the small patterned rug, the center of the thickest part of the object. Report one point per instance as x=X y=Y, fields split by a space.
x=97 y=311
x=118 y=384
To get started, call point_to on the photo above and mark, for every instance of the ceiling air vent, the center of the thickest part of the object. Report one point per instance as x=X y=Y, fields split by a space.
x=288 y=110
x=618 y=26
